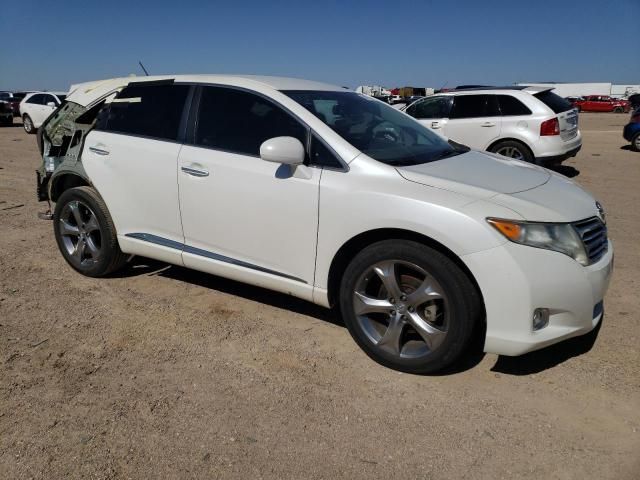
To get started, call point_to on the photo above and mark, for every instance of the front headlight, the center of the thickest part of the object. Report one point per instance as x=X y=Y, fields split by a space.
x=559 y=237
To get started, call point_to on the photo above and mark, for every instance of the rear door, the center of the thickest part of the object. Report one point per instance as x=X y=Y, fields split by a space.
x=131 y=157
x=474 y=120
x=36 y=109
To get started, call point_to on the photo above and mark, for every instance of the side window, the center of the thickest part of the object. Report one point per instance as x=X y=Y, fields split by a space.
x=512 y=106
x=322 y=156
x=147 y=110
x=473 y=106
x=49 y=99
x=36 y=99
x=437 y=107
x=239 y=121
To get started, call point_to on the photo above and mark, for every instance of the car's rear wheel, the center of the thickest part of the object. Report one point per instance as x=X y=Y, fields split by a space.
x=618 y=110
x=513 y=149
x=85 y=233
x=635 y=142
x=27 y=123
x=408 y=306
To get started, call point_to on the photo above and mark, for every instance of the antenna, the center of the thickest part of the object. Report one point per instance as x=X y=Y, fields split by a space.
x=143 y=69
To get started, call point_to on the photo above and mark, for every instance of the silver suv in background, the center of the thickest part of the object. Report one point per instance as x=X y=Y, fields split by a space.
x=528 y=123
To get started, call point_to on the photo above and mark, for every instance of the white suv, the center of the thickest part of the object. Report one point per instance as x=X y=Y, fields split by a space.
x=37 y=106
x=526 y=123
x=333 y=197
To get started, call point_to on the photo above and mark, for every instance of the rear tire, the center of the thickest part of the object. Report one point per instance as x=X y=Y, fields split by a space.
x=27 y=123
x=513 y=149
x=408 y=306
x=618 y=110
x=85 y=233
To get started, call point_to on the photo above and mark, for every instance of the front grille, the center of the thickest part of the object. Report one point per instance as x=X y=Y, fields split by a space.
x=594 y=237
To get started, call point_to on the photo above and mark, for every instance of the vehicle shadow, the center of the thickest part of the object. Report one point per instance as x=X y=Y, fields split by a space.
x=565 y=170
x=549 y=357
x=144 y=266
x=626 y=147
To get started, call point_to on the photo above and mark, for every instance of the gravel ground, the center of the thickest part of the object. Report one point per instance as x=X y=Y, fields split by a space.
x=164 y=372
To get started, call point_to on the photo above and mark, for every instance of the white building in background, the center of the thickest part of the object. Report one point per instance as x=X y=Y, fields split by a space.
x=582 y=89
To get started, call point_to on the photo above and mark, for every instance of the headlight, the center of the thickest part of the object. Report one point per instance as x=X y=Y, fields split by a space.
x=559 y=237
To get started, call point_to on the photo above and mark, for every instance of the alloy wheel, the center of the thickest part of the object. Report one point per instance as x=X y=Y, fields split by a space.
x=80 y=233
x=401 y=309
x=28 y=124
x=511 y=152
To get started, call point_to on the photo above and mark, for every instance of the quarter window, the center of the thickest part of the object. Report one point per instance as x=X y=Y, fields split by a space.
x=512 y=106
x=148 y=110
x=322 y=155
x=239 y=121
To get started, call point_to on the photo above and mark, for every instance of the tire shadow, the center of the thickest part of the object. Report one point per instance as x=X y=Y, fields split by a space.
x=565 y=170
x=549 y=357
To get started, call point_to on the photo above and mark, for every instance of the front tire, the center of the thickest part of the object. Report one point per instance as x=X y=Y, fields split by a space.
x=618 y=110
x=635 y=142
x=85 y=233
x=27 y=123
x=513 y=149
x=408 y=306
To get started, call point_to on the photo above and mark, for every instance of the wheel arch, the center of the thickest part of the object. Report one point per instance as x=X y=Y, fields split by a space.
x=64 y=181
x=350 y=248
x=511 y=139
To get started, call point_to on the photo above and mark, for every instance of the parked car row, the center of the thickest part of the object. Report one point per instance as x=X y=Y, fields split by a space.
x=600 y=103
x=32 y=107
x=527 y=123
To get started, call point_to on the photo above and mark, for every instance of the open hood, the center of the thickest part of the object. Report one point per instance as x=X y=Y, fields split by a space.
x=478 y=174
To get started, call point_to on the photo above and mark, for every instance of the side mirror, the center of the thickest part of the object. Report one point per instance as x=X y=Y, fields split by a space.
x=287 y=150
x=51 y=104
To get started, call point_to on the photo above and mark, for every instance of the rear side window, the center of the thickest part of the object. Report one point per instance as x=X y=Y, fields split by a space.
x=553 y=101
x=147 y=110
x=510 y=106
x=436 y=107
x=238 y=121
x=473 y=106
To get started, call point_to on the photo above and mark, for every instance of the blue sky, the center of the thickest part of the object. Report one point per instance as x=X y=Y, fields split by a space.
x=49 y=45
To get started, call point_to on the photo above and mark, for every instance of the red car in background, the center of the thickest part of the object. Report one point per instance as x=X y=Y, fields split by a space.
x=602 y=103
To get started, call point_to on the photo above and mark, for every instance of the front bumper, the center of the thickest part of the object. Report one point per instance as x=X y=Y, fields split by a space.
x=517 y=279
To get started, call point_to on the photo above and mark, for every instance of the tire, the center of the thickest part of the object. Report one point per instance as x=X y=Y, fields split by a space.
x=578 y=108
x=409 y=329
x=635 y=142
x=82 y=216
x=27 y=123
x=513 y=149
x=618 y=110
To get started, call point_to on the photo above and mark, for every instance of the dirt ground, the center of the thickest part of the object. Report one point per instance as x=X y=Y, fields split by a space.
x=166 y=373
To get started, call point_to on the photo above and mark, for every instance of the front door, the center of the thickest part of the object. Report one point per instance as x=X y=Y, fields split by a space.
x=243 y=217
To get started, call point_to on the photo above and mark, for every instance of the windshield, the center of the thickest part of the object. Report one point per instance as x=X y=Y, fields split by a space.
x=375 y=128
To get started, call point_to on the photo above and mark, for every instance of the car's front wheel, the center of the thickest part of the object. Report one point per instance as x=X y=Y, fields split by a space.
x=635 y=142
x=85 y=233
x=27 y=123
x=408 y=306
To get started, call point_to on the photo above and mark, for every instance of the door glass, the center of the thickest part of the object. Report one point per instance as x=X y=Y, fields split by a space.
x=148 y=110
x=470 y=106
x=512 y=106
x=239 y=121
x=437 y=107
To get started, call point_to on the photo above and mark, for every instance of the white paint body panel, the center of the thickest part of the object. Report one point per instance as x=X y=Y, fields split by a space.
x=291 y=227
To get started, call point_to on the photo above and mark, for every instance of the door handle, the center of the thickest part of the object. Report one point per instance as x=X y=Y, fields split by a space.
x=488 y=124
x=435 y=124
x=196 y=172
x=99 y=151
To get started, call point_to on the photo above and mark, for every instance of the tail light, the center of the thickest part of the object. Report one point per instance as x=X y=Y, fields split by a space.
x=550 y=127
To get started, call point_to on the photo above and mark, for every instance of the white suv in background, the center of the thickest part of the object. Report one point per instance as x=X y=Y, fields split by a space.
x=37 y=106
x=333 y=197
x=526 y=123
